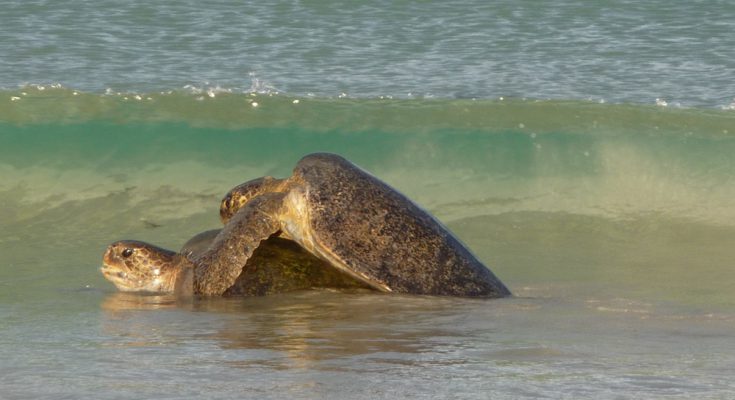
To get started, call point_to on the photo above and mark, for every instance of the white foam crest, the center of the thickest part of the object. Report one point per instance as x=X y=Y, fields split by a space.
x=207 y=90
x=261 y=87
x=41 y=86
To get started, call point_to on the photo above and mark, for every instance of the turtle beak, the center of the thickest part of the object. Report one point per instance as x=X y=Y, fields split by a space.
x=110 y=274
x=108 y=269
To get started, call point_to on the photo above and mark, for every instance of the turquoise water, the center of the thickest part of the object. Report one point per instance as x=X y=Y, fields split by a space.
x=584 y=151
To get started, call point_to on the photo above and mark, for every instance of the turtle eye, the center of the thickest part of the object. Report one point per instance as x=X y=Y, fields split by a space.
x=127 y=252
x=228 y=202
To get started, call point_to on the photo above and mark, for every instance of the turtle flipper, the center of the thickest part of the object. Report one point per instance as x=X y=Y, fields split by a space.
x=217 y=268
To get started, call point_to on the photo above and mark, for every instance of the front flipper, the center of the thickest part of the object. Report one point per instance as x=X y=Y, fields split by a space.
x=218 y=268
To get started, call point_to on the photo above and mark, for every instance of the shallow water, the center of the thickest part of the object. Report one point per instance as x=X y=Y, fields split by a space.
x=620 y=264
x=550 y=139
x=328 y=345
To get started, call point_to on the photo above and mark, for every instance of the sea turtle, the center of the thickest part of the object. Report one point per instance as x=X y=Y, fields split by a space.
x=277 y=265
x=358 y=224
x=344 y=216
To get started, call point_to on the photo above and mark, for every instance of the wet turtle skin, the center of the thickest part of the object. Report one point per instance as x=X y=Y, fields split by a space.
x=348 y=222
x=277 y=266
x=363 y=227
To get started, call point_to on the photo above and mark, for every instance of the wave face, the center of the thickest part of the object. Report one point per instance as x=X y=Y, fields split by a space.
x=459 y=158
x=596 y=191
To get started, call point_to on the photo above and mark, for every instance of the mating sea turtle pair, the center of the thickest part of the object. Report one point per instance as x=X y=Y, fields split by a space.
x=361 y=231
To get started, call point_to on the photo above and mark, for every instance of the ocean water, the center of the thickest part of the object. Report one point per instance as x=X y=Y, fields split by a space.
x=585 y=151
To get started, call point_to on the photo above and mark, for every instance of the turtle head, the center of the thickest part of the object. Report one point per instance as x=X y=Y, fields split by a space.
x=236 y=198
x=134 y=266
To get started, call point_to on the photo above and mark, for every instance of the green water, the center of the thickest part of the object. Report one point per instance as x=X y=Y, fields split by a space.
x=612 y=225
x=583 y=150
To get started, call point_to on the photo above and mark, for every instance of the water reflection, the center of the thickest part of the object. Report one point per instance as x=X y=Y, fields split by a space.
x=128 y=321
x=305 y=341
x=119 y=302
x=309 y=329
